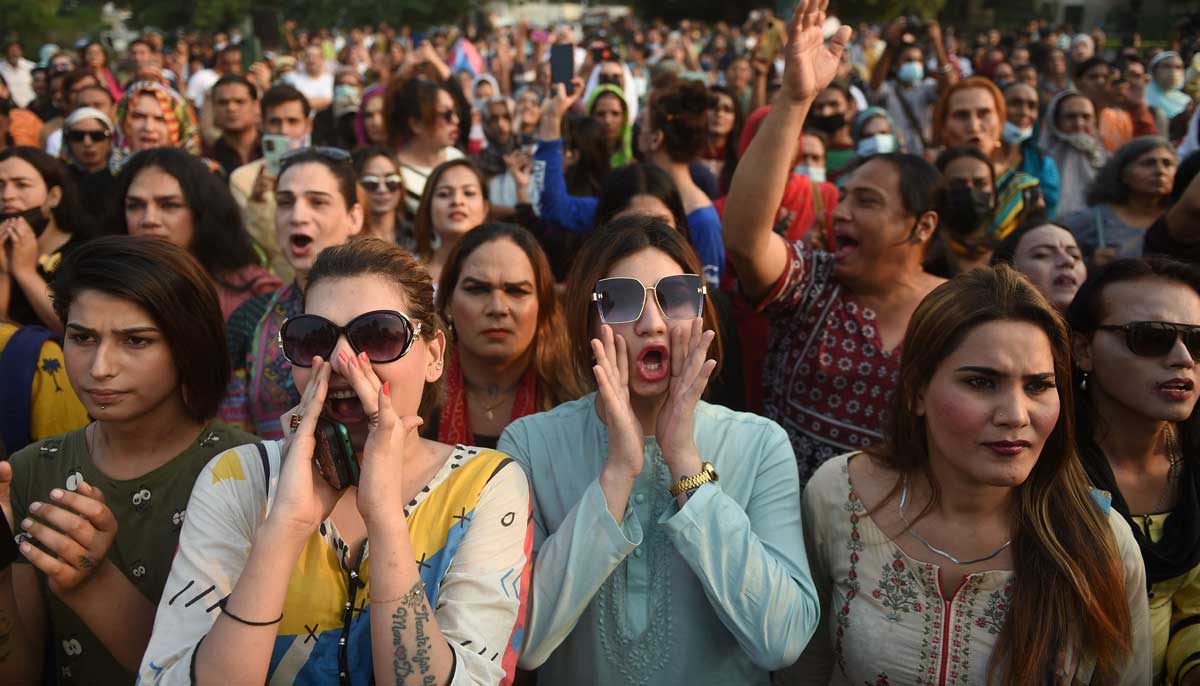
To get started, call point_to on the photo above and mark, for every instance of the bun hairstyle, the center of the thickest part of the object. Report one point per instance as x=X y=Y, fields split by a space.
x=681 y=113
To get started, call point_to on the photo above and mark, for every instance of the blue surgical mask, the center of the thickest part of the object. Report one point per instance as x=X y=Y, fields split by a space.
x=879 y=144
x=1015 y=135
x=813 y=173
x=911 y=72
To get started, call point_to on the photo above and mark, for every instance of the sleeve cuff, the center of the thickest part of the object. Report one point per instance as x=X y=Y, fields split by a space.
x=622 y=538
x=698 y=507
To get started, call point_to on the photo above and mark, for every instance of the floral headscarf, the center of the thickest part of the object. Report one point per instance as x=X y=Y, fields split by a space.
x=181 y=120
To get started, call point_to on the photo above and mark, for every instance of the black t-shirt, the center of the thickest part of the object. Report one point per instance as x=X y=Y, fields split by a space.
x=1158 y=241
x=19 y=308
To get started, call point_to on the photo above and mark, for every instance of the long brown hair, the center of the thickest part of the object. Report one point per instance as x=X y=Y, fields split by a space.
x=556 y=379
x=423 y=221
x=605 y=247
x=1070 y=579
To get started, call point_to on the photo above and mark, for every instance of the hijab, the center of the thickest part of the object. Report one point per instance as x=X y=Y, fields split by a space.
x=360 y=119
x=1078 y=156
x=623 y=154
x=1171 y=102
x=74 y=118
x=182 y=131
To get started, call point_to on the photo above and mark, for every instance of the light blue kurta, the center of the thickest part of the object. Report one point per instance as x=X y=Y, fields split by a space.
x=718 y=592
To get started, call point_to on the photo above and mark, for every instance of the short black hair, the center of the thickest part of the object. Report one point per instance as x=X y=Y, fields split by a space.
x=625 y=183
x=141 y=41
x=230 y=79
x=170 y=285
x=219 y=238
x=919 y=181
x=342 y=170
x=278 y=95
x=1088 y=65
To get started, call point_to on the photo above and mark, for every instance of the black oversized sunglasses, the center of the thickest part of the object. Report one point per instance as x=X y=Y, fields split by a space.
x=78 y=136
x=1155 y=339
x=384 y=335
x=620 y=299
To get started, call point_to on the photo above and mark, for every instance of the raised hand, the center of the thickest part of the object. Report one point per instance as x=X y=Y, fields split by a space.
x=303 y=499
x=809 y=64
x=612 y=381
x=690 y=371
x=77 y=528
x=23 y=246
x=381 y=479
x=520 y=165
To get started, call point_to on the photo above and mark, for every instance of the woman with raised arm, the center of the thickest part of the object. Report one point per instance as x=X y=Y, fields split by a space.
x=388 y=559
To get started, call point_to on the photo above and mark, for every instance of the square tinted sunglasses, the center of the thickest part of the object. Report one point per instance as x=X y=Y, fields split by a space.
x=384 y=335
x=372 y=182
x=1155 y=339
x=620 y=299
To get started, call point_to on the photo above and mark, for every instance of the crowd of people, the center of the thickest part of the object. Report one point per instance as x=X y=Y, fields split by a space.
x=786 y=352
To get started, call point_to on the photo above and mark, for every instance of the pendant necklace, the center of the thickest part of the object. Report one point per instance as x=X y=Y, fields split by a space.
x=489 y=410
x=933 y=549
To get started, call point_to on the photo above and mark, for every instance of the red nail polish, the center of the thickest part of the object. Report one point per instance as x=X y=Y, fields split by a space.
x=387 y=389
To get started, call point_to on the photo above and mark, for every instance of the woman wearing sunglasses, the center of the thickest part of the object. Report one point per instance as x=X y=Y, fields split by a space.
x=1137 y=340
x=422 y=125
x=509 y=354
x=969 y=547
x=455 y=201
x=379 y=174
x=98 y=509
x=169 y=194
x=413 y=572
x=316 y=207
x=668 y=542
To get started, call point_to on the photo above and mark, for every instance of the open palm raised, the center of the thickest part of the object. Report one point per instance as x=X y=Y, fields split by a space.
x=809 y=64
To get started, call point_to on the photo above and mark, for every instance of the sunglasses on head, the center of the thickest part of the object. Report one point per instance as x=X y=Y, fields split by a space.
x=328 y=152
x=92 y=136
x=1155 y=339
x=620 y=299
x=384 y=335
x=372 y=182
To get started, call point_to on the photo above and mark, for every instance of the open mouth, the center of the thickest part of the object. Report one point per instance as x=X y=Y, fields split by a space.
x=1066 y=281
x=843 y=246
x=1178 y=386
x=653 y=363
x=343 y=406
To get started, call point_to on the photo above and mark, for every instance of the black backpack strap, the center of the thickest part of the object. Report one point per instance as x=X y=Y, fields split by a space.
x=266 y=465
x=18 y=364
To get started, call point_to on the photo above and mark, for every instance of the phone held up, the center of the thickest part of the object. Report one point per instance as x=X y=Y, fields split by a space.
x=562 y=65
x=334 y=455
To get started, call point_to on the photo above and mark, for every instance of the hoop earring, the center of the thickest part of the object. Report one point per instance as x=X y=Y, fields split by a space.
x=1083 y=383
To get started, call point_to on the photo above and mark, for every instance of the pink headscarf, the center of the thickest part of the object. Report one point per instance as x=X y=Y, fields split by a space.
x=360 y=119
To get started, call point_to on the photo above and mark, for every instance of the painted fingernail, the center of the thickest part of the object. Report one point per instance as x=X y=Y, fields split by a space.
x=33 y=507
x=387 y=389
x=26 y=523
x=362 y=357
x=25 y=547
x=57 y=494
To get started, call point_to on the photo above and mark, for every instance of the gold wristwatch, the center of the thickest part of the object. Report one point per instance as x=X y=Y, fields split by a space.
x=687 y=483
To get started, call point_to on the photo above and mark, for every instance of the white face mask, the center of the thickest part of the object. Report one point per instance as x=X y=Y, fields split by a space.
x=813 y=173
x=879 y=144
x=1014 y=135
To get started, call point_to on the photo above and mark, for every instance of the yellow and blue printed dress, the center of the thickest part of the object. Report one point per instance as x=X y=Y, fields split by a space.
x=471 y=531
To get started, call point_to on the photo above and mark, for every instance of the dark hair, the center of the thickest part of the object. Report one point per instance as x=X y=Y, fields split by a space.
x=586 y=136
x=1006 y=250
x=141 y=41
x=68 y=215
x=551 y=358
x=639 y=178
x=174 y=289
x=1088 y=65
x=605 y=246
x=363 y=155
x=75 y=76
x=219 y=240
x=341 y=169
x=1108 y=186
x=958 y=152
x=423 y=221
x=372 y=256
x=735 y=135
x=98 y=88
x=84 y=49
x=1184 y=173
x=681 y=114
x=280 y=94
x=1061 y=537
x=608 y=93
x=1087 y=310
x=406 y=101
x=232 y=79
x=919 y=180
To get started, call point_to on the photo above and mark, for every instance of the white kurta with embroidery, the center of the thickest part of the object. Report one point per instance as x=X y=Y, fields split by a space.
x=885 y=621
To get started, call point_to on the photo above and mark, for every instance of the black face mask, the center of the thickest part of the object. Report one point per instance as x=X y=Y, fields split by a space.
x=964 y=209
x=829 y=124
x=38 y=220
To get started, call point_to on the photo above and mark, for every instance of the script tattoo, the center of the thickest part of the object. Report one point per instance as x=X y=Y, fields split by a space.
x=413 y=603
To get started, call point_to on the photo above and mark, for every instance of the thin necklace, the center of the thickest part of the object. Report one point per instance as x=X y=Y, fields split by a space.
x=938 y=551
x=490 y=409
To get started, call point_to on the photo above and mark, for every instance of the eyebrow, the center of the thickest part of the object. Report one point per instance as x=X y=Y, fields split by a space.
x=988 y=371
x=507 y=284
x=122 y=332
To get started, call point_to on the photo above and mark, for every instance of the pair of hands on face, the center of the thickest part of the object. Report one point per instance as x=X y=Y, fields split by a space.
x=19 y=248
x=674 y=428
x=303 y=499
x=77 y=529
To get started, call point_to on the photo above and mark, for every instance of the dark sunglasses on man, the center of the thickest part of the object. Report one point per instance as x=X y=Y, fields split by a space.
x=384 y=335
x=621 y=299
x=78 y=136
x=1156 y=339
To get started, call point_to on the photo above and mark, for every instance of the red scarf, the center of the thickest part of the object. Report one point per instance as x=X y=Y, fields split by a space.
x=453 y=426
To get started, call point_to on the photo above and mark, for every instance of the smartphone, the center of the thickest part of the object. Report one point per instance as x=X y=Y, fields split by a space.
x=8 y=545
x=562 y=65
x=334 y=455
x=274 y=147
x=602 y=53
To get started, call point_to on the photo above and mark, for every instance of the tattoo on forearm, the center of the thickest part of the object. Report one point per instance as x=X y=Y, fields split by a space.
x=7 y=627
x=412 y=604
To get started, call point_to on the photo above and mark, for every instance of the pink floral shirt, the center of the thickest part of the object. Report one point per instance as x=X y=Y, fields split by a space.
x=885 y=621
